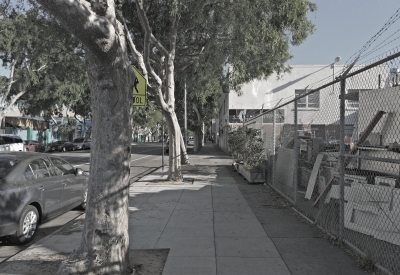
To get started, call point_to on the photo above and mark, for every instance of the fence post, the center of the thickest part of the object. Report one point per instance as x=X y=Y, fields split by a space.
x=296 y=155
x=273 y=146
x=341 y=158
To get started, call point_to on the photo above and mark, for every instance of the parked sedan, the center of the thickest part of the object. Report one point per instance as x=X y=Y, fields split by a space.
x=36 y=187
x=61 y=146
x=81 y=143
x=190 y=142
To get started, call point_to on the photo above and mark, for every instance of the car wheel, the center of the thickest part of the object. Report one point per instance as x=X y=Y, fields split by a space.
x=64 y=149
x=27 y=226
x=83 y=147
x=73 y=148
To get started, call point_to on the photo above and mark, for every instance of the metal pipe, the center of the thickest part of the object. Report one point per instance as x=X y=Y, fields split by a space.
x=296 y=155
x=273 y=147
x=163 y=140
x=185 y=118
x=341 y=158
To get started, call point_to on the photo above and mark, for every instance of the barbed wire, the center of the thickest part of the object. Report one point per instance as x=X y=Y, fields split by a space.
x=386 y=26
x=376 y=48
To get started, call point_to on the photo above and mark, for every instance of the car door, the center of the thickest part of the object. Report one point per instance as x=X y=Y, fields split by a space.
x=72 y=184
x=12 y=193
x=39 y=173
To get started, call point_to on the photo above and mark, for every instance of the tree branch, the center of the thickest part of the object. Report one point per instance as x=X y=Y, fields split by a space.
x=15 y=98
x=85 y=24
x=132 y=46
x=11 y=80
x=147 y=33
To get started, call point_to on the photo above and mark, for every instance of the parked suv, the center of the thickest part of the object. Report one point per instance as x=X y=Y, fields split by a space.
x=11 y=143
x=81 y=143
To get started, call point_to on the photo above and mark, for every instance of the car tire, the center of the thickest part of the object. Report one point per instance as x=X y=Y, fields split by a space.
x=27 y=226
x=64 y=149
x=83 y=147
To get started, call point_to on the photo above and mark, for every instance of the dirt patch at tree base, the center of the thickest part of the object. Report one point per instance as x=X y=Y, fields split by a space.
x=148 y=261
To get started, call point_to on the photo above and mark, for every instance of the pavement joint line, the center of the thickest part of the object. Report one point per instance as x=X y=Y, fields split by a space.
x=158 y=239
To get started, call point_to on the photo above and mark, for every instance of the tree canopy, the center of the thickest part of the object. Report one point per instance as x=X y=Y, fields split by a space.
x=47 y=70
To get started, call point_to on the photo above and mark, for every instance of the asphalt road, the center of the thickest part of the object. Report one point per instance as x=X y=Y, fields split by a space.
x=145 y=158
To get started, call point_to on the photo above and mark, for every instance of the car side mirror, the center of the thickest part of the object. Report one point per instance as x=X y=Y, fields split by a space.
x=79 y=171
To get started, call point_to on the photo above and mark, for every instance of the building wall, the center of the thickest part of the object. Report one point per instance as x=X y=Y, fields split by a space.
x=261 y=95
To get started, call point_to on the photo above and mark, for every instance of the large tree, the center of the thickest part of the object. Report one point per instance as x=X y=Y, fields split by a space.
x=248 y=39
x=104 y=247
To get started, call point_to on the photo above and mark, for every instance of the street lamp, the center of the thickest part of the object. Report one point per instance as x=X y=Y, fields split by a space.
x=337 y=59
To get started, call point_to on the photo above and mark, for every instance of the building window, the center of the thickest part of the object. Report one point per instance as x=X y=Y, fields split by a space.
x=310 y=102
x=354 y=103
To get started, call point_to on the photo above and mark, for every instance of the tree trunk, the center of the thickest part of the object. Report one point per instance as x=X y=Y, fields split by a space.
x=185 y=157
x=202 y=134
x=174 y=135
x=104 y=247
x=199 y=138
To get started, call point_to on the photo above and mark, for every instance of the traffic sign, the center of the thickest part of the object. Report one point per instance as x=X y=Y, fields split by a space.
x=139 y=89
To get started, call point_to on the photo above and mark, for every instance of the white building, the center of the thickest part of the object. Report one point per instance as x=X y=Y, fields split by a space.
x=318 y=109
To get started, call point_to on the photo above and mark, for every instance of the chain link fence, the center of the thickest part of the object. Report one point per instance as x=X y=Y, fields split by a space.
x=334 y=153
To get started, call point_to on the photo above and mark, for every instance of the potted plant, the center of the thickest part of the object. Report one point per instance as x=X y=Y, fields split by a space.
x=248 y=153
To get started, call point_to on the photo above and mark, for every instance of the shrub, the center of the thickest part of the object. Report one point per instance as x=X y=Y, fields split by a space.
x=247 y=146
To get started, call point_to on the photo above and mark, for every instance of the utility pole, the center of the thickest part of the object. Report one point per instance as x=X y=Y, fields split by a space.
x=185 y=140
x=163 y=140
x=337 y=59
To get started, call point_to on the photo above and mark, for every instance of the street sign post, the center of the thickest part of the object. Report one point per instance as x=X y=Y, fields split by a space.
x=139 y=90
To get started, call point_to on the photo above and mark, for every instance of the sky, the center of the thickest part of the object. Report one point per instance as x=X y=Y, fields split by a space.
x=342 y=29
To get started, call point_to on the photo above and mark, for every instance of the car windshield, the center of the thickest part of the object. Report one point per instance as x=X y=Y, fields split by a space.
x=6 y=165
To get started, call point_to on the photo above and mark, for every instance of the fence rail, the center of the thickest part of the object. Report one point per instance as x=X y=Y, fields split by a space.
x=334 y=153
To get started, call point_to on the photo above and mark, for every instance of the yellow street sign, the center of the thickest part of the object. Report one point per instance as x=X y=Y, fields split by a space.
x=139 y=89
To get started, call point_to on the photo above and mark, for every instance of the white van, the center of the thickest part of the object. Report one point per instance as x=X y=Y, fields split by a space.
x=11 y=143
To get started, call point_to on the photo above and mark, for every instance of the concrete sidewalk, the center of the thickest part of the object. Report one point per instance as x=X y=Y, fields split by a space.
x=210 y=226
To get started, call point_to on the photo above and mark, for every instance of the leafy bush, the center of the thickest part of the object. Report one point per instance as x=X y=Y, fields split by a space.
x=247 y=147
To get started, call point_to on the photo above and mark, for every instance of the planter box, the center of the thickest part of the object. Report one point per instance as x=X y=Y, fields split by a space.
x=252 y=176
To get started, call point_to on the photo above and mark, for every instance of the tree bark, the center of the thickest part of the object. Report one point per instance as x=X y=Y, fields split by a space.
x=105 y=240
x=199 y=138
x=174 y=136
x=104 y=247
